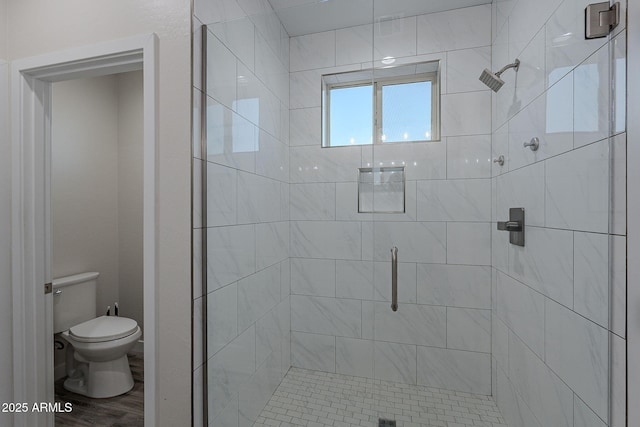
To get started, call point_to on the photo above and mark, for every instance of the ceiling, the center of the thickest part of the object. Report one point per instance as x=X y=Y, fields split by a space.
x=313 y=16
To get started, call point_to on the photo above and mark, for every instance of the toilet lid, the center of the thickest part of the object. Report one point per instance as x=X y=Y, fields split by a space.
x=103 y=328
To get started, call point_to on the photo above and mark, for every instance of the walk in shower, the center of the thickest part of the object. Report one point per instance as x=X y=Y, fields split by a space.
x=352 y=187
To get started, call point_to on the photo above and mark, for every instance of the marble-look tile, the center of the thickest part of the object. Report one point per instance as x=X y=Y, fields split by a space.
x=394 y=37
x=525 y=20
x=268 y=338
x=221 y=72
x=522 y=310
x=272 y=243
x=499 y=249
x=231 y=139
x=529 y=82
x=577 y=189
x=354 y=44
x=503 y=100
x=237 y=35
x=499 y=341
x=618 y=171
x=272 y=158
x=230 y=368
x=584 y=416
x=464 y=371
x=226 y=416
x=469 y=156
x=284 y=202
x=618 y=49
x=305 y=126
x=316 y=164
x=469 y=329
x=313 y=351
x=513 y=408
x=411 y=324
x=285 y=119
x=456 y=29
x=257 y=103
x=618 y=377
x=421 y=160
x=545 y=393
x=466 y=113
x=545 y=263
x=592 y=87
x=285 y=278
x=577 y=350
x=326 y=239
x=284 y=320
x=257 y=294
x=406 y=282
x=367 y=319
x=354 y=279
x=270 y=70
x=258 y=199
x=254 y=395
x=314 y=201
x=618 y=268
x=231 y=254
x=221 y=195
x=463 y=67
x=454 y=200
x=548 y=118
x=222 y=318
x=354 y=357
x=454 y=285
x=591 y=276
x=223 y=10
x=315 y=277
x=329 y=316
x=500 y=147
x=312 y=51
x=565 y=42
x=347 y=203
x=468 y=243
x=394 y=362
x=410 y=204
x=416 y=241
x=305 y=89
x=522 y=188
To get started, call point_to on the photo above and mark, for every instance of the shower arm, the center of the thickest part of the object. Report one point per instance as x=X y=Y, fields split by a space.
x=515 y=65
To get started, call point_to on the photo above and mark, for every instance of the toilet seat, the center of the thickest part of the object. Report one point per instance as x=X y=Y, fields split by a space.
x=103 y=328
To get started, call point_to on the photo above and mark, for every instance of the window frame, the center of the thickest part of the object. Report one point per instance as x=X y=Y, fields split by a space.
x=376 y=85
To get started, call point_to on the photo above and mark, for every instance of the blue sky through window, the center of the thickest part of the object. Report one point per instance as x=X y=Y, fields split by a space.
x=406 y=112
x=351 y=116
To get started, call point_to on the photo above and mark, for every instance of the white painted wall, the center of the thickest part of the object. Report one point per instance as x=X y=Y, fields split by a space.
x=38 y=27
x=6 y=360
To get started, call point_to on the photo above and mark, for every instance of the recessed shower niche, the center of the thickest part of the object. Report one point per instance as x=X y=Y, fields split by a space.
x=381 y=190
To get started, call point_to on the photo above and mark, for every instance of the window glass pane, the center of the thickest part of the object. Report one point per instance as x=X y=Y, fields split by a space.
x=406 y=112
x=350 y=115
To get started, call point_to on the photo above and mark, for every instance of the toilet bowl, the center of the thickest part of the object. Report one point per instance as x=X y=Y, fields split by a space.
x=100 y=346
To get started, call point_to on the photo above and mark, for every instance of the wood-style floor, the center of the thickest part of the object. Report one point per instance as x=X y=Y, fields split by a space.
x=126 y=410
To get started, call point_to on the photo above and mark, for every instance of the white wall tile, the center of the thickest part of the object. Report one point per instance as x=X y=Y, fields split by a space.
x=591 y=276
x=618 y=72
x=256 y=393
x=313 y=351
x=522 y=310
x=222 y=318
x=468 y=243
x=272 y=158
x=550 y=399
x=313 y=51
x=466 y=113
x=257 y=294
x=353 y=44
x=221 y=72
x=315 y=201
x=525 y=20
x=469 y=329
x=221 y=195
x=513 y=408
x=577 y=189
x=258 y=199
x=577 y=350
x=499 y=341
x=454 y=285
x=421 y=160
x=326 y=239
x=313 y=277
x=529 y=81
x=224 y=10
x=285 y=278
x=406 y=282
x=316 y=164
x=618 y=267
x=394 y=37
x=416 y=241
x=305 y=127
x=329 y=316
x=469 y=156
x=455 y=29
x=592 y=86
x=545 y=262
x=464 y=67
x=237 y=35
x=354 y=279
x=500 y=147
x=394 y=362
x=354 y=357
x=618 y=376
x=454 y=200
x=464 y=371
x=522 y=188
x=411 y=324
x=305 y=89
x=584 y=416
x=618 y=156
x=272 y=243
x=231 y=254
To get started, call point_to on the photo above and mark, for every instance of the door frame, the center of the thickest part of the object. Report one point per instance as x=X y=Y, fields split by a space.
x=31 y=80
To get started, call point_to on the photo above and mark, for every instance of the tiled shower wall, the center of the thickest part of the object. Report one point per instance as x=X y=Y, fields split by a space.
x=341 y=320
x=558 y=302
x=245 y=162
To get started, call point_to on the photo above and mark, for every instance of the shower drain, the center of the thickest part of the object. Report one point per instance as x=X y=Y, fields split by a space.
x=386 y=423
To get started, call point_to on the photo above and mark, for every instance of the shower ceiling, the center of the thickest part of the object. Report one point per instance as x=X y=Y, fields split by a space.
x=313 y=16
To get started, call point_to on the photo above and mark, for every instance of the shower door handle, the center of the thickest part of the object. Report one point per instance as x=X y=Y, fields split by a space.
x=394 y=278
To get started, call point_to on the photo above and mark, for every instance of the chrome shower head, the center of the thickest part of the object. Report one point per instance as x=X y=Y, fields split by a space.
x=493 y=80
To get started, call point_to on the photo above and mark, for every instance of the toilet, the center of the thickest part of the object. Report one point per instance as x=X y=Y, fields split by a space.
x=97 y=365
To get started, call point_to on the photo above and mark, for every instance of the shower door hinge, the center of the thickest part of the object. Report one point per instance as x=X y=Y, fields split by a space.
x=48 y=287
x=600 y=19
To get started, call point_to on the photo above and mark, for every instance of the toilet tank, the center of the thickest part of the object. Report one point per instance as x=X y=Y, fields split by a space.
x=74 y=300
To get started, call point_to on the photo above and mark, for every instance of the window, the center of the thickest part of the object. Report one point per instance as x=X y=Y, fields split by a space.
x=384 y=106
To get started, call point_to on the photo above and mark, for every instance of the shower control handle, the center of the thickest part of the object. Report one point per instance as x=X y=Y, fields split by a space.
x=394 y=278
x=499 y=160
x=534 y=144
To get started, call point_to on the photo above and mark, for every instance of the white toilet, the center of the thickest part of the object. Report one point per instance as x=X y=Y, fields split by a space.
x=97 y=364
